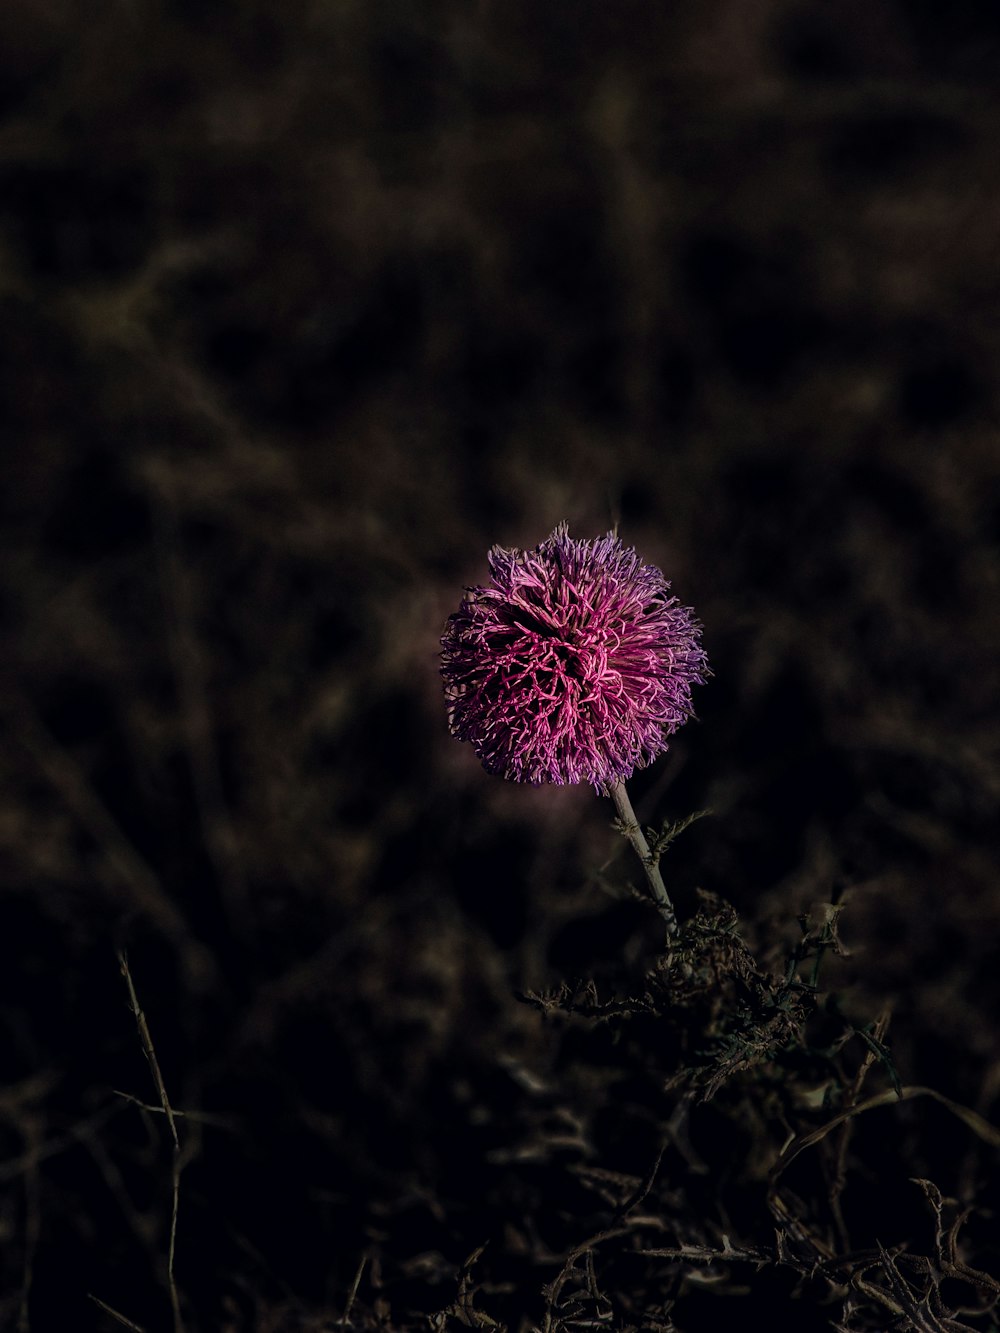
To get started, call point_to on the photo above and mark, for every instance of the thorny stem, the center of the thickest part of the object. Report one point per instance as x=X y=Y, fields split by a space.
x=632 y=830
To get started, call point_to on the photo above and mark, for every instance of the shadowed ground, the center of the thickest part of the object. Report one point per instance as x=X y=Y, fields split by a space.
x=302 y=308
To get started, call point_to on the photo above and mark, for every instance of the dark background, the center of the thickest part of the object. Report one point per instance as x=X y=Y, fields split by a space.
x=302 y=308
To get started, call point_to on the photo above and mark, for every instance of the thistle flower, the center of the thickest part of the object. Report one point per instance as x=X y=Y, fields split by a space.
x=575 y=664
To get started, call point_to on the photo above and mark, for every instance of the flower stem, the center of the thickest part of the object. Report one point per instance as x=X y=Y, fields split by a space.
x=632 y=830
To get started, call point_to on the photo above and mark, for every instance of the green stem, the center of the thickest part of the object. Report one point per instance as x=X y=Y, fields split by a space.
x=631 y=829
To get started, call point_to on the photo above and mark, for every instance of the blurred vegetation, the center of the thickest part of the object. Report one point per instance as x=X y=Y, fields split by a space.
x=303 y=308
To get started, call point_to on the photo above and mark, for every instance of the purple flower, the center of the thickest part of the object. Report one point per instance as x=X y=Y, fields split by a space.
x=574 y=665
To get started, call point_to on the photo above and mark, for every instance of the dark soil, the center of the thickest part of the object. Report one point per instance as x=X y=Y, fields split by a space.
x=302 y=308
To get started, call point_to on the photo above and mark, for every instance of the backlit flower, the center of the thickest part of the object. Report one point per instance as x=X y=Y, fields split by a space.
x=574 y=665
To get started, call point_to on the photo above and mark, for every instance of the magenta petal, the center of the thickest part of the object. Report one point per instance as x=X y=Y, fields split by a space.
x=574 y=665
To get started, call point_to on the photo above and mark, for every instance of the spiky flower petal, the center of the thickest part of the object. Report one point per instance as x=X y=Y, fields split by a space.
x=575 y=664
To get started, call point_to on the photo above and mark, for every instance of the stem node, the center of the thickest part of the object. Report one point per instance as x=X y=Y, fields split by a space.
x=631 y=828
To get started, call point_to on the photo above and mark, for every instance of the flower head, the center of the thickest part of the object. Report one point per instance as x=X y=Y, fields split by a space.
x=574 y=665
